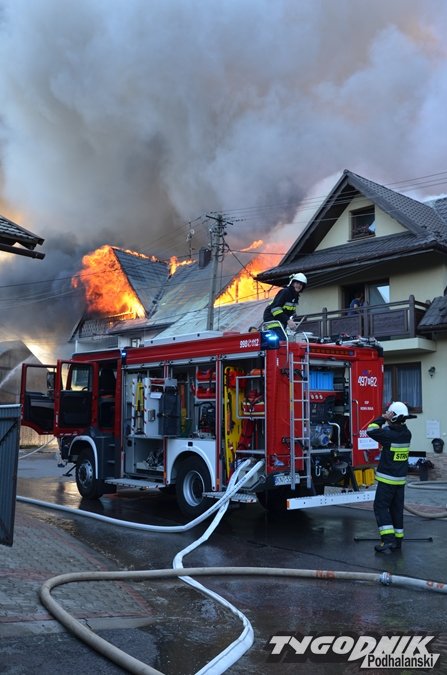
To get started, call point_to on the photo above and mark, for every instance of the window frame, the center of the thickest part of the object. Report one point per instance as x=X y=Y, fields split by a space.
x=362 y=231
x=397 y=395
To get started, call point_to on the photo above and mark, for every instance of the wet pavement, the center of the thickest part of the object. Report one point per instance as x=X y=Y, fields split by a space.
x=177 y=630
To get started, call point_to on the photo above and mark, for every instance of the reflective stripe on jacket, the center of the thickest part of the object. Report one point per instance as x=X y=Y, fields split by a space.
x=395 y=441
x=283 y=306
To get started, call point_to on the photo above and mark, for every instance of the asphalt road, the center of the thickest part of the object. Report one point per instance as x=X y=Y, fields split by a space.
x=184 y=629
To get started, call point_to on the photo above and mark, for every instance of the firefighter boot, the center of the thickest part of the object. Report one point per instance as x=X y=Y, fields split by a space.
x=385 y=547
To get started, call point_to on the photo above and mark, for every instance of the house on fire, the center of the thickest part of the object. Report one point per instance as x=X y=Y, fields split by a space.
x=170 y=302
x=368 y=239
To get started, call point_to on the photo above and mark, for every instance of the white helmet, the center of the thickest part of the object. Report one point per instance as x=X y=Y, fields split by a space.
x=399 y=410
x=299 y=276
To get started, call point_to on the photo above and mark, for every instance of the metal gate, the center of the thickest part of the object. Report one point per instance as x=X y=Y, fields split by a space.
x=9 y=455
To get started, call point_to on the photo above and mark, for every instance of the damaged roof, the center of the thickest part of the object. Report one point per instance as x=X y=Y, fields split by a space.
x=12 y=234
x=147 y=276
x=165 y=297
x=426 y=225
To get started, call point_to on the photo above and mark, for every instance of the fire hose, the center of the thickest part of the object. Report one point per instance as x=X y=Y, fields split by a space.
x=427 y=485
x=242 y=644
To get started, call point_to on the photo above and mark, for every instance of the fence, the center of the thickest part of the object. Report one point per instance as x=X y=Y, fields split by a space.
x=9 y=456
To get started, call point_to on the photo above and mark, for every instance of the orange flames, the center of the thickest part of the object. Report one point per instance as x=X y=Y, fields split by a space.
x=174 y=263
x=254 y=245
x=244 y=287
x=109 y=293
x=107 y=289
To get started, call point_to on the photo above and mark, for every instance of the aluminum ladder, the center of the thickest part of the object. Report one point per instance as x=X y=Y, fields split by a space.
x=299 y=402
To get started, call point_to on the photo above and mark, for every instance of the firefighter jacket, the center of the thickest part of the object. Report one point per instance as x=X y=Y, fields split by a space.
x=282 y=307
x=395 y=441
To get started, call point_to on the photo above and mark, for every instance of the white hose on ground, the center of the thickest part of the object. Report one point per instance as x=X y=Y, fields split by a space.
x=151 y=528
x=427 y=485
x=37 y=449
x=133 y=665
x=234 y=651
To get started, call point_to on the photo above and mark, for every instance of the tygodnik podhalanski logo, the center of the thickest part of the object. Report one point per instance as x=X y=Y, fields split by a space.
x=392 y=650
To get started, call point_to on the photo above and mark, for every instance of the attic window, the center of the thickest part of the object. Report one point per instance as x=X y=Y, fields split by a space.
x=363 y=223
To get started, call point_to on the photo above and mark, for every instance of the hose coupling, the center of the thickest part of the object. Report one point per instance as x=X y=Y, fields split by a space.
x=385 y=578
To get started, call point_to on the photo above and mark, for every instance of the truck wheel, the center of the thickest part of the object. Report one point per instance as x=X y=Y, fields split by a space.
x=193 y=479
x=88 y=486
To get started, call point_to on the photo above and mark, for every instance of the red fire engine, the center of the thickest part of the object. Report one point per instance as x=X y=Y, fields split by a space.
x=180 y=413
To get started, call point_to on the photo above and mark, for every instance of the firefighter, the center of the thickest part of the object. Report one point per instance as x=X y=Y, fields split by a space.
x=394 y=436
x=279 y=313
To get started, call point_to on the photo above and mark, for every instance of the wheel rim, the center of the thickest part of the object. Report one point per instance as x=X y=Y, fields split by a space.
x=193 y=488
x=85 y=474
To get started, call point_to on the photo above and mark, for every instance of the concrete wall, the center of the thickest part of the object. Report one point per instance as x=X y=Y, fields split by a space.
x=423 y=284
x=434 y=396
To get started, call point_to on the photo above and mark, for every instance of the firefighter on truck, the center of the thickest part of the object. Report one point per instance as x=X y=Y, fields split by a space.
x=181 y=413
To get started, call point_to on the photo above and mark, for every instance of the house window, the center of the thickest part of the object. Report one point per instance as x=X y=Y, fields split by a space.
x=377 y=293
x=403 y=383
x=363 y=223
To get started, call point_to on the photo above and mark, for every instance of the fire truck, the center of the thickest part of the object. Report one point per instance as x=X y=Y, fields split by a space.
x=181 y=413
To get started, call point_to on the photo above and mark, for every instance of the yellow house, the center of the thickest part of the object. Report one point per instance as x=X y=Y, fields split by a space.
x=389 y=251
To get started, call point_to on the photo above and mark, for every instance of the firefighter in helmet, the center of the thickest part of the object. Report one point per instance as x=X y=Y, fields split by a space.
x=394 y=436
x=279 y=313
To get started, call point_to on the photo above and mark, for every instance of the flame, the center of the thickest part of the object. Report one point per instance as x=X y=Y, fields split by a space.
x=244 y=287
x=253 y=246
x=174 y=263
x=107 y=289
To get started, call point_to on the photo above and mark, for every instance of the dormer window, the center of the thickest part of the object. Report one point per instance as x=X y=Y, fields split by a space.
x=363 y=223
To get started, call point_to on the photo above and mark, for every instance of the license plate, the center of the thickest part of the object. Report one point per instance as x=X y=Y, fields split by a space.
x=282 y=480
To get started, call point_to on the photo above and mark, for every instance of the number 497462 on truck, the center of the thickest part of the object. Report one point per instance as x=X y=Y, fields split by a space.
x=181 y=413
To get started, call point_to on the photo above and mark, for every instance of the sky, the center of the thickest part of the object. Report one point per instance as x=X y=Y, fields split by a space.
x=125 y=122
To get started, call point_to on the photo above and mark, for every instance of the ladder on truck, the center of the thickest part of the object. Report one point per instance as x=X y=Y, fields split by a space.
x=299 y=385
x=299 y=394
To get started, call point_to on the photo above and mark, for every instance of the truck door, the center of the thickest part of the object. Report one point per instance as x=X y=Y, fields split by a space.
x=37 y=397
x=74 y=394
x=367 y=388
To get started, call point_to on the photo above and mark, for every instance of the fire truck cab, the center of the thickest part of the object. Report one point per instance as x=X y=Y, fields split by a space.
x=180 y=413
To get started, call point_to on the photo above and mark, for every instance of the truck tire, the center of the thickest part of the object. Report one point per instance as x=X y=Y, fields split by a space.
x=193 y=479
x=88 y=486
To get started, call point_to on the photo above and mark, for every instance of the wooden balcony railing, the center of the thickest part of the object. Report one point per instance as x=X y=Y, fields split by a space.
x=391 y=321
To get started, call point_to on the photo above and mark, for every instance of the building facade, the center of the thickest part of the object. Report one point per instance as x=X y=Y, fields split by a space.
x=376 y=262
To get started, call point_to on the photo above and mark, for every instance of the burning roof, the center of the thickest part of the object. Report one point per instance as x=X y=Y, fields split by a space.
x=124 y=289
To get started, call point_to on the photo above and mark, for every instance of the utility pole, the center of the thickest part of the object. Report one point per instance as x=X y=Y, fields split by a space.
x=217 y=232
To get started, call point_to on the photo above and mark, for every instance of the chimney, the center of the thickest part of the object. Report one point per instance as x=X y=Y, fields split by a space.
x=204 y=257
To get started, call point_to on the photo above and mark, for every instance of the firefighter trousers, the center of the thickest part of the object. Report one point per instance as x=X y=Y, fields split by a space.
x=389 y=511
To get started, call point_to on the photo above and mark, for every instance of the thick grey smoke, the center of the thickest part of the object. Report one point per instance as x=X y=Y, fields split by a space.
x=123 y=119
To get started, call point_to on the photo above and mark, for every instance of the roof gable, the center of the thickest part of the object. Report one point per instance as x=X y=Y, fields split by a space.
x=426 y=225
x=147 y=276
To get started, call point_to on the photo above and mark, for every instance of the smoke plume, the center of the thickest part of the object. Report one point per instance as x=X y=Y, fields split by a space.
x=122 y=121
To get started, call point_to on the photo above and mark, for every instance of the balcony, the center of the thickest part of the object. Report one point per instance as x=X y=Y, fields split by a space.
x=385 y=322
